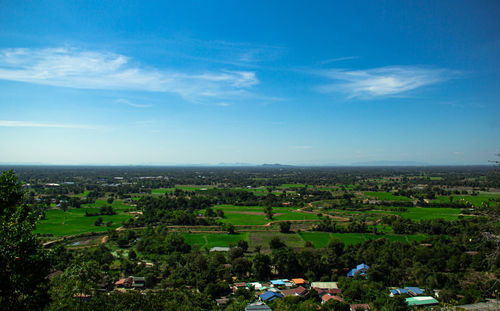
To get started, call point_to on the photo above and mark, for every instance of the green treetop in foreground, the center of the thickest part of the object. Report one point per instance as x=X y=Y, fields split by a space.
x=23 y=262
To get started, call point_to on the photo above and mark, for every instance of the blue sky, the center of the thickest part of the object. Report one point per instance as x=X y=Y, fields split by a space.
x=322 y=83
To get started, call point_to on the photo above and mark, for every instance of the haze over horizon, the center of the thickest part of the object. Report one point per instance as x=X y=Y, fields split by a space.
x=249 y=82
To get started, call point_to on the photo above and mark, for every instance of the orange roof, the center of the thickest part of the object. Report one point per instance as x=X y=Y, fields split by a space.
x=298 y=281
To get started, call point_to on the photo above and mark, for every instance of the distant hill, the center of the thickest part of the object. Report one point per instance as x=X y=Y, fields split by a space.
x=276 y=165
x=390 y=163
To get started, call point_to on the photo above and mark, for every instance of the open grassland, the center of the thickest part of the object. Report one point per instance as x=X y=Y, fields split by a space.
x=74 y=221
x=321 y=239
x=386 y=196
x=208 y=240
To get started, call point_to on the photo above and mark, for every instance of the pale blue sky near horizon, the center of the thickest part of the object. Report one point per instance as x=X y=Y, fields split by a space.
x=291 y=82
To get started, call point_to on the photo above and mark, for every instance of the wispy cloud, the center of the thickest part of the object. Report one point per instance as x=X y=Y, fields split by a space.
x=69 y=67
x=9 y=123
x=129 y=103
x=384 y=81
x=338 y=59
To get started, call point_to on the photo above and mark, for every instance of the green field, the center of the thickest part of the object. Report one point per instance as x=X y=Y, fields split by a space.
x=386 y=196
x=74 y=221
x=476 y=200
x=262 y=239
x=284 y=186
x=321 y=239
x=117 y=205
x=413 y=213
x=161 y=191
x=208 y=240
x=254 y=215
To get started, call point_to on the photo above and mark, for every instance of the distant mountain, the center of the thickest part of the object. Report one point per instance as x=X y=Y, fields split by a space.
x=235 y=164
x=390 y=163
x=277 y=165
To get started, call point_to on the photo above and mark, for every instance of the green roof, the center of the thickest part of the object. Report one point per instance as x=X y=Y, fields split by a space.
x=420 y=301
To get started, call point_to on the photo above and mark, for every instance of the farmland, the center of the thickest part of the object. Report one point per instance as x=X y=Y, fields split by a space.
x=74 y=221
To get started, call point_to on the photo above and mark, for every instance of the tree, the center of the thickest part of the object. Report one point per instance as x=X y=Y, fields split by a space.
x=78 y=280
x=23 y=262
x=276 y=243
x=243 y=245
x=262 y=266
x=132 y=255
x=98 y=222
x=229 y=228
x=268 y=210
x=285 y=226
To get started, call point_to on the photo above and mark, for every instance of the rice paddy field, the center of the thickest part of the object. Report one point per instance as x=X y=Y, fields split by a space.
x=73 y=221
x=386 y=196
x=413 y=213
x=295 y=240
x=162 y=191
x=212 y=240
x=475 y=200
x=254 y=215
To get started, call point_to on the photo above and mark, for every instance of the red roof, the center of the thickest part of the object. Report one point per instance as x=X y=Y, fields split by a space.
x=327 y=297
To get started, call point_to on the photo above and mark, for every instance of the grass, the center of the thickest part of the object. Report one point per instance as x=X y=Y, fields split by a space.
x=209 y=240
x=262 y=239
x=476 y=200
x=297 y=240
x=162 y=191
x=235 y=214
x=284 y=186
x=74 y=221
x=386 y=196
x=117 y=205
x=414 y=213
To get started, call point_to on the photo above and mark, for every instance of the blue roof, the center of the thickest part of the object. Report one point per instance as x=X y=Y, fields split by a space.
x=351 y=273
x=277 y=282
x=268 y=296
x=394 y=292
x=402 y=290
x=415 y=290
x=362 y=266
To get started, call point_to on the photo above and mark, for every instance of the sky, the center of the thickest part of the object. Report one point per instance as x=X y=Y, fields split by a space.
x=209 y=82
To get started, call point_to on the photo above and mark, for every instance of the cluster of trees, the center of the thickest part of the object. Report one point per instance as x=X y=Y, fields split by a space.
x=470 y=226
x=103 y=210
x=327 y=224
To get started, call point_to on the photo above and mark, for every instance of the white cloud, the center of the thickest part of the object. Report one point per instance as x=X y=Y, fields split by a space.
x=384 y=81
x=67 y=67
x=338 y=59
x=8 y=123
x=128 y=103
